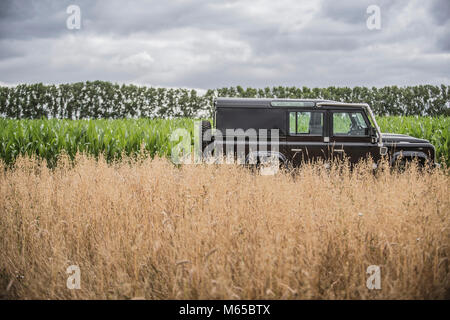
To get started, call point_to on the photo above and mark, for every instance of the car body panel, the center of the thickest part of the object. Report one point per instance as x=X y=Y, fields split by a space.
x=232 y=114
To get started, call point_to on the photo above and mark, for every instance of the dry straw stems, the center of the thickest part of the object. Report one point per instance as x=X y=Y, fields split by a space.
x=148 y=229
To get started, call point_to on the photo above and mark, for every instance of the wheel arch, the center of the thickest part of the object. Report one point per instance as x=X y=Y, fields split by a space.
x=409 y=155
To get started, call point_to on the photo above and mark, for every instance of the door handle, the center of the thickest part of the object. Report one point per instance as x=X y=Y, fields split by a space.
x=338 y=150
x=296 y=150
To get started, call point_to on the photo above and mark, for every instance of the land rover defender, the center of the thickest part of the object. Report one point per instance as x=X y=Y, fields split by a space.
x=304 y=130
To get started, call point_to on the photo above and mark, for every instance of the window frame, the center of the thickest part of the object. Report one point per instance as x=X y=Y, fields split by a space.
x=323 y=114
x=364 y=116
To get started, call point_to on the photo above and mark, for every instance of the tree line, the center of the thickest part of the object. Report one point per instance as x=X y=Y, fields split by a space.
x=100 y=99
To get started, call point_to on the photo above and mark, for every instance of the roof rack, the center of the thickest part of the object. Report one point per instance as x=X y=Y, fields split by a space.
x=263 y=102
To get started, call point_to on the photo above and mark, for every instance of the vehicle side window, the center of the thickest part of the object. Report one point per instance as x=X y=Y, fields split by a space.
x=306 y=122
x=349 y=124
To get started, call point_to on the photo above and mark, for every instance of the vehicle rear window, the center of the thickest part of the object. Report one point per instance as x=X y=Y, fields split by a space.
x=306 y=122
x=251 y=118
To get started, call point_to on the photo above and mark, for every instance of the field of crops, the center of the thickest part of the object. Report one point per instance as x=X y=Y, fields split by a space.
x=114 y=138
x=436 y=130
x=147 y=229
x=143 y=228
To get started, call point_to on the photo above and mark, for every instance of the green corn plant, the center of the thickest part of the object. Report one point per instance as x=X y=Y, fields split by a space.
x=48 y=138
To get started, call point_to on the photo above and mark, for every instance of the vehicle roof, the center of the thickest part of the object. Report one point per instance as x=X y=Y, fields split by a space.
x=260 y=102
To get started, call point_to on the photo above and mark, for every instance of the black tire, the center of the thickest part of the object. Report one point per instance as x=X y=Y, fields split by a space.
x=283 y=166
x=205 y=126
x=402 y=164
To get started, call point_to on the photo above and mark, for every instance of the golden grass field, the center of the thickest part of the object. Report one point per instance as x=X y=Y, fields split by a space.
x=146 y=229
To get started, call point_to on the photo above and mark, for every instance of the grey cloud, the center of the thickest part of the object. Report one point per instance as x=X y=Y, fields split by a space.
x=46 y=18
x=24 y=19
x=440 y=10
x=355 y=12
x=443 y=43
x=206 y=44
x=346 y=10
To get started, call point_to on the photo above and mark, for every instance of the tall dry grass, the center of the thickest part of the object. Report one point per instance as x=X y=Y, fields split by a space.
x=148 y=229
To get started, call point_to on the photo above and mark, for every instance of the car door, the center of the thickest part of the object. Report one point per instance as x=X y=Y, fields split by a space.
x=350 y=135
x=305 y=136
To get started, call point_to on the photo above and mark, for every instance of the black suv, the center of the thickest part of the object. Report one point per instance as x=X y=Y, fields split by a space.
x=297 y=130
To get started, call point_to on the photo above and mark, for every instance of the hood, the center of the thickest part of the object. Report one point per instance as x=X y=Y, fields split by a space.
x=401 y=138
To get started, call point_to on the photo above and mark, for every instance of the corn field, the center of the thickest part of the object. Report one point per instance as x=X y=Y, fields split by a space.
x=114 y=138
x=436 y=130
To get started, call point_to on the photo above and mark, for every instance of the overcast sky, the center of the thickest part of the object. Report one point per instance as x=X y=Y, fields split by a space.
x=210 y=44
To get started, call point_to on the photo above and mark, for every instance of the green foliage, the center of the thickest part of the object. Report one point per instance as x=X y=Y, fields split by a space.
x=413 y=100
x=49 y=138
x=141 y=109
x=105 y=100
x=341 y=123
x=98 y=100
x=434 y=129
